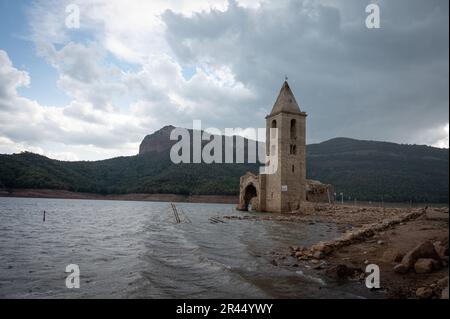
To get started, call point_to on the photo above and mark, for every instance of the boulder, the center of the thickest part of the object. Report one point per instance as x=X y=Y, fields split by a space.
x=424 y=265
x=424 y=293
x=423 y=250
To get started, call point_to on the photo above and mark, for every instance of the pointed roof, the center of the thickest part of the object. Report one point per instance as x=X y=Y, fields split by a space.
x=285 y=102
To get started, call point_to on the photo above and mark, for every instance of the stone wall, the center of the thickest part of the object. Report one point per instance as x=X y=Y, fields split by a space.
x=316 y=192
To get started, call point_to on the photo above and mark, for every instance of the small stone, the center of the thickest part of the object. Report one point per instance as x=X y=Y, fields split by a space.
x=444 y=294
x=392 y=255
x=424 y=293
x=440 y=249
x=366 y=262
x=401 y=269
x=319 y=254
x=442 y=283
x=380 y=242
x=437 y=264
x=323 y=247
x=318 y=267
x=343 y=272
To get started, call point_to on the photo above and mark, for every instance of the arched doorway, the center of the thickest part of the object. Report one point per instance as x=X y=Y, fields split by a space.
x=250 y=192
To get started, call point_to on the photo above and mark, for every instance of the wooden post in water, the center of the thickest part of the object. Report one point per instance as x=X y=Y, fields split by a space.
x=175 y=213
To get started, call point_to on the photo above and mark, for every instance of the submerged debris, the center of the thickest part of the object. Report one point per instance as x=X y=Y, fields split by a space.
x=216 y=220
x=179 y=218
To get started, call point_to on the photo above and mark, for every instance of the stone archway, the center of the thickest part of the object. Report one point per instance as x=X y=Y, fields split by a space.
x=249 y=192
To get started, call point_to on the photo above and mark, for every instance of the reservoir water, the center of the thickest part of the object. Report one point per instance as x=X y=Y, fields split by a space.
x=128 y=249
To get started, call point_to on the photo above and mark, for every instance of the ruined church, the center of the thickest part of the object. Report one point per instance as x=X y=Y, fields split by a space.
x=285 y=189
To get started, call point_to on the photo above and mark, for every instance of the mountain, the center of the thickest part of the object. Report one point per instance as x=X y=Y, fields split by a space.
x=367 y=170
x=157 y=142
x=370 y=170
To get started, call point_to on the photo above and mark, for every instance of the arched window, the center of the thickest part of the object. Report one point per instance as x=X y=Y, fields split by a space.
x=293 y=149
x=273 y=125
x=293 y=129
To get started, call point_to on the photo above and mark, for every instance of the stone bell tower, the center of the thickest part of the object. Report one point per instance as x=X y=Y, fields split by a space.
x=286 y=188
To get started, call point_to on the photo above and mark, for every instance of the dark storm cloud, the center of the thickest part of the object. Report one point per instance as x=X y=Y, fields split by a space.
x=386 y=84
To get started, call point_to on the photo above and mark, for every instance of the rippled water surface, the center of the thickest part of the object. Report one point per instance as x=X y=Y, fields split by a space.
x=135 y=250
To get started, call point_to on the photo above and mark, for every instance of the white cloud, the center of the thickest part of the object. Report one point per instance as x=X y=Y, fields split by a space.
x=386 y=84
x=92 y=125
x=32 y=126
x=123 y=71
x=10 y=78
x=442 y=139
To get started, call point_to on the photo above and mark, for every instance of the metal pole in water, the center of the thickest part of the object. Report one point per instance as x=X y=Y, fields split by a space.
x=43 y=219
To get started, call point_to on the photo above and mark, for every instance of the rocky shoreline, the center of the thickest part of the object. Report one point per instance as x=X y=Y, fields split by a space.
x=410 y=246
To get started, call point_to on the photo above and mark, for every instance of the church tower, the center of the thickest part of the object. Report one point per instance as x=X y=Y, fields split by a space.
x=285 y=189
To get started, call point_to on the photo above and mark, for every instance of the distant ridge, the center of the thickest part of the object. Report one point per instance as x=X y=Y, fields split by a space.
x=366 y=170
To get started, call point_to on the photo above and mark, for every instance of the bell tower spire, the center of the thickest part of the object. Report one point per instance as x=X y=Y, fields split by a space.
x=286 y=101
x=286 y=188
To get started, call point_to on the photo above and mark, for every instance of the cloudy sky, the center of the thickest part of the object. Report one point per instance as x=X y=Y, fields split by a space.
x=133 y=66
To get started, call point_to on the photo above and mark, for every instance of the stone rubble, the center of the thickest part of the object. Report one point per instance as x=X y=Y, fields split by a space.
x=424 y=258
x=324 y=248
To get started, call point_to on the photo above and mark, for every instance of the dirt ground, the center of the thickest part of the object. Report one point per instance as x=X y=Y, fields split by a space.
x=385 y=247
